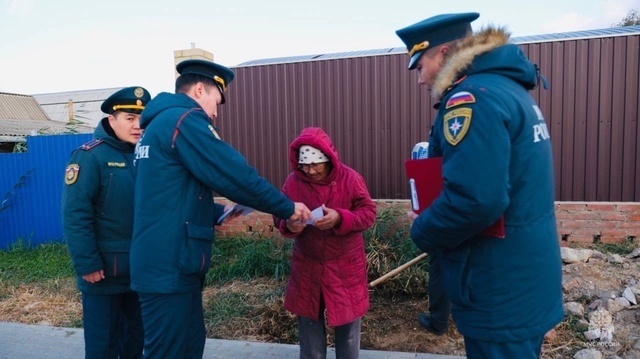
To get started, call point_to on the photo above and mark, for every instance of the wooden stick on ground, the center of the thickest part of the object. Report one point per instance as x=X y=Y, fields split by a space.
x=397 y=270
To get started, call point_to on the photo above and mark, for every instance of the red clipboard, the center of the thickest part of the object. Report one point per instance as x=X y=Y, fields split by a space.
x=425 y=182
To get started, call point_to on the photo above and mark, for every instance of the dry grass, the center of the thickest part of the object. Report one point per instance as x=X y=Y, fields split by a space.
x=253 y=309
x=248 y=310
x=276 y=324
x=388 y=247
x=56 y=303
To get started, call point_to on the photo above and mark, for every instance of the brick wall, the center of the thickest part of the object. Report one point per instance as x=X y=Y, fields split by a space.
x=254 y=222
x=582 y=222
x=608 y=222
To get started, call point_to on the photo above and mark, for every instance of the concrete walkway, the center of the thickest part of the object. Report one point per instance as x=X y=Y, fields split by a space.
x=19 y=341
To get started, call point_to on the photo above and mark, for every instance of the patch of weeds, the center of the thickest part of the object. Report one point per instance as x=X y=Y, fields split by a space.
x=247 y=257
x=277 y=324
x=572 y=323
x=226 y=307
x=622 y=248
x=275 y=293
x=584 y=299
x=568 y=338
x=21 y=264
x=4 y=290
x=388 y=246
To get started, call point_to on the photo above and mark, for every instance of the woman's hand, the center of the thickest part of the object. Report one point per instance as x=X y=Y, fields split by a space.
x=330 y=219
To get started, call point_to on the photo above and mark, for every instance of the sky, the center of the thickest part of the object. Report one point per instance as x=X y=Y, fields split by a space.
x=71 y=45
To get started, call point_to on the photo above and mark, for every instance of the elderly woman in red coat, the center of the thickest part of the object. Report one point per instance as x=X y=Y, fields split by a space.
x=328 y=265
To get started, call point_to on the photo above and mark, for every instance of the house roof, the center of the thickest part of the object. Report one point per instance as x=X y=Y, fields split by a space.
x=21 y=116
x=15 y=130
x=85 y=104
x=574 y=35
x=18 y=106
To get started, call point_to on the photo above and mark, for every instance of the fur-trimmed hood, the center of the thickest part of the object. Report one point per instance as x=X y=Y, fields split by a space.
x=485 y=51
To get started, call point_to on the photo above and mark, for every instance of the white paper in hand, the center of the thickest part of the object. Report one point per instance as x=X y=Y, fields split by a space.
x=316 y=214
x=236 y=208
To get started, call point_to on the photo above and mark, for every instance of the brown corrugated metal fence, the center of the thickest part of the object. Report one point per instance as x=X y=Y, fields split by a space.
x=592 y=111
x=375 y=111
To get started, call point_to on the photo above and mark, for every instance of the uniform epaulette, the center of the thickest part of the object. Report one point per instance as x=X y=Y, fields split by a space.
x=91 y=144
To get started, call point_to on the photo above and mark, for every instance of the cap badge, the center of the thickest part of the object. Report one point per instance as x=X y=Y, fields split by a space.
x=138 y=92
x=219 y=80
x=418 y=47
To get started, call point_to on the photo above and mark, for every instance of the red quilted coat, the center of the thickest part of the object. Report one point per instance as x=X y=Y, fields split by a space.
x=329 y=264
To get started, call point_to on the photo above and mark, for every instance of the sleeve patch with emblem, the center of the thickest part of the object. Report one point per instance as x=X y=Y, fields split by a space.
x=71 y=173
x=456 y=124
x=460 y=98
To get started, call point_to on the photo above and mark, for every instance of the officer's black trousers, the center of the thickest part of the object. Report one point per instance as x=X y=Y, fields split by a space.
x=526 y=349
x=439 y=303
x=112 y=326
x=174 y=325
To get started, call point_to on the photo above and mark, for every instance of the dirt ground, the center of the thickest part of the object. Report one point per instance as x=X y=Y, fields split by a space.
x=253 y=311
x=391 y=323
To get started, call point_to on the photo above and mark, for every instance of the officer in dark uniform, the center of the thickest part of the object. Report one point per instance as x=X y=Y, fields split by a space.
x=180 y=162
x=97 y=219
x=505 y=292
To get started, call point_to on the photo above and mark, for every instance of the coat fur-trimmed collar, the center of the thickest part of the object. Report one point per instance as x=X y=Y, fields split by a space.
x=463 y=54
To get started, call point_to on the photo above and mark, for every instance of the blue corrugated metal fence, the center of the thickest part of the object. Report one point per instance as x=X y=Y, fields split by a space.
x=30 y=189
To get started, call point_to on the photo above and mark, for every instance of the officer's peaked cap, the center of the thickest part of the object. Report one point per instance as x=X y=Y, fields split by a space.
x=129 y=99
x=220 y=75
x=434 y=31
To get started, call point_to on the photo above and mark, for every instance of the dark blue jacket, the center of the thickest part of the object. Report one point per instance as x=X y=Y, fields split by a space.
x=97 y=211
x=496 y=161
x=180 y=162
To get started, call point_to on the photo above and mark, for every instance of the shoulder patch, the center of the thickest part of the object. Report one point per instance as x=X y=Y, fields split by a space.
x=456 y=124
x=91 y=144
x=71 y=173
x=460 y=98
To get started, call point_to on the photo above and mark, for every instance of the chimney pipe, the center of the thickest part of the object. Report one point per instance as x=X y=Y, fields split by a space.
x=70 y=110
